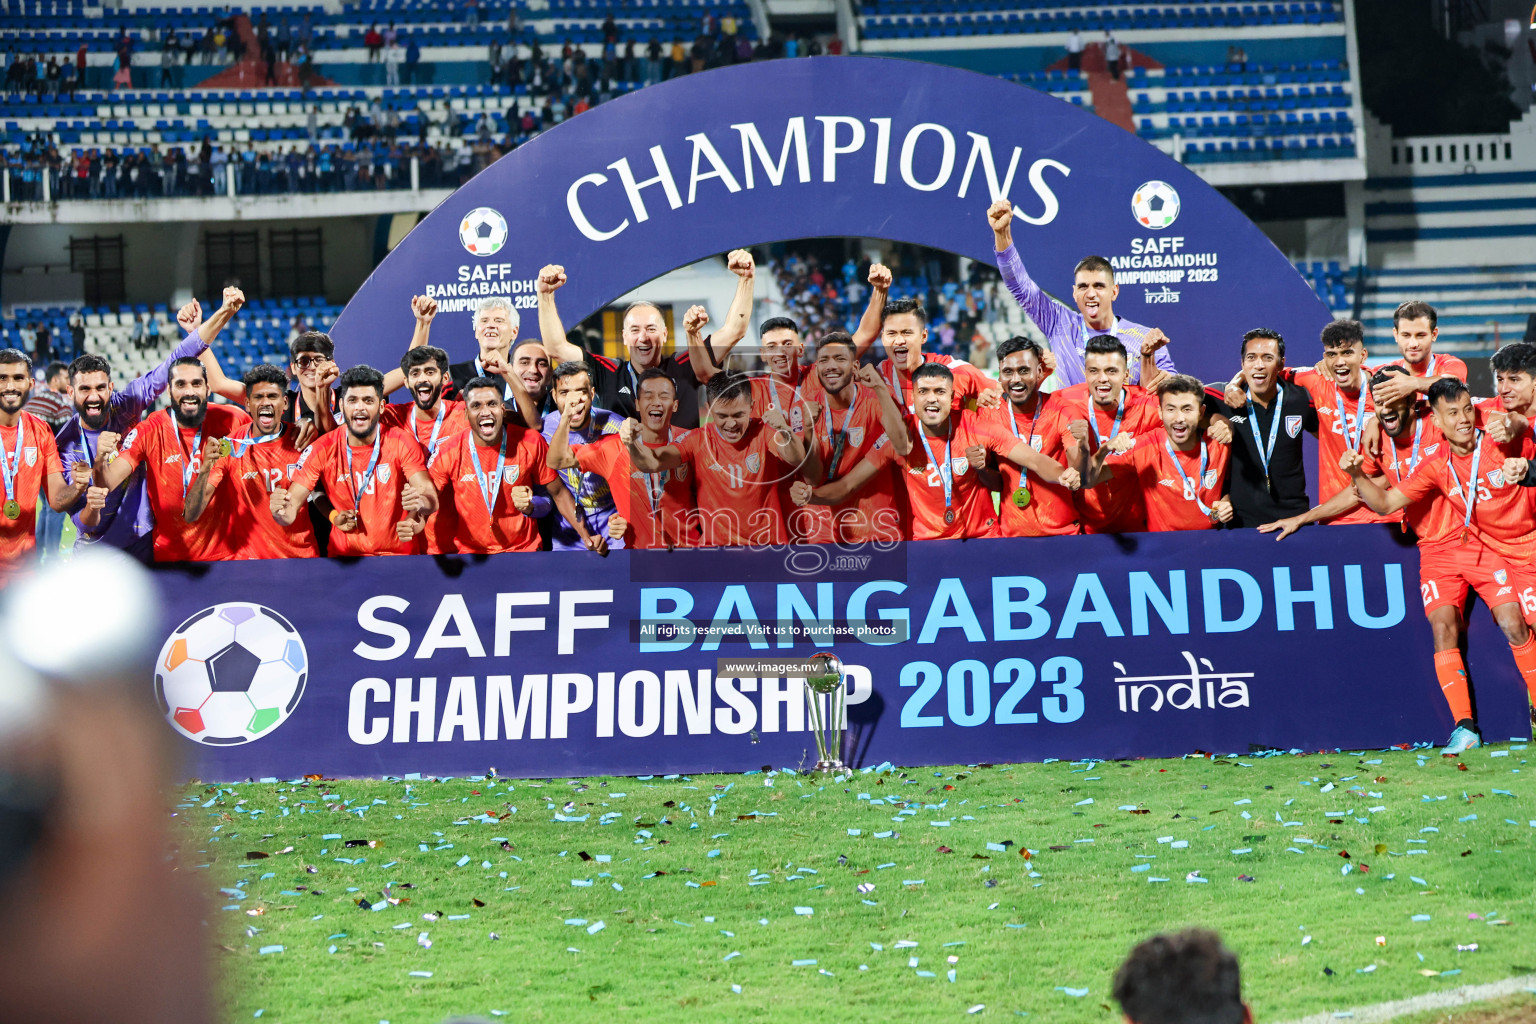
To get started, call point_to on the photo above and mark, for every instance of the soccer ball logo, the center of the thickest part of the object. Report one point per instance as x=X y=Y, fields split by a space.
x=1155 y=205
x=231 y=674
x=483 y=231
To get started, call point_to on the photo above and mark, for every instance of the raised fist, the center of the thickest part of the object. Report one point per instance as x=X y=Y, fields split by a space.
x=976 y=455
x=550 y=279
x=812 y=412
x=775 y=418
x=190 y=316
x=1071 y=479
x=880 y=276
x=95 y=497
x=1234 y=395
x=868 y=376
x=1079 y=431
x=79 y=474
x=695 y=319
x=412 y=500
x=106 y=447
x=741 y=263
x=617 y=524
x=1219 y=430
x=992 y=398
x=1122 y=442
x=304 y=434
x=424 y=308
x=234 y=298
x=407 y=528
x=1515 y=470
x=1498 y=425
x=1000 y=216
x=329 y=373
x=278 y=503
x=522 y=498
x=493 y=364
x=629 y=431
x=1154 y=340
x=1047 y=363
x=1352 y=462
x=800 y=492
x=213 y=451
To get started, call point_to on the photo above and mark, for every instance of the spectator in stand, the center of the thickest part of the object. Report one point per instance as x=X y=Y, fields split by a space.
x=49 y=400
x=412 y=61
x=393 y=58
x=1112 y=54
x=1075 y=50
x=374 y=43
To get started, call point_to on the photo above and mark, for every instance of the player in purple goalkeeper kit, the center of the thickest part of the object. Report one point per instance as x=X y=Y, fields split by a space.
x=1067 y=331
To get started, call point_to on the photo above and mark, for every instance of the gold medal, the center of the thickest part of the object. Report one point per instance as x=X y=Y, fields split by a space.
x=949 y=517
x=1021 y=497
x=226 y=446
x=12 y=509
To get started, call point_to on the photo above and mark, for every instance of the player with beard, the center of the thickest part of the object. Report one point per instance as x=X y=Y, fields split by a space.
x=1411 y=438
x=947 y=499
x=1030 y=506
x=262 y=457
x=374 y=476
x=1182 y=477
x=1068 y=331
x=651 y=510
x=1492 y=531
x=856 y=413
x=123 y=519
x=572 y=392
x=737 y=464
x=615 y=382
x=430 y=417
x=486 y=476
x=29 y=465
x=904 y=333
x=530 y=361
x=1415 y=328
x=171 y=446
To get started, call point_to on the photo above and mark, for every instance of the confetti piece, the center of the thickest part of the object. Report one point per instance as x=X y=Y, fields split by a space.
x=802 y=963
x=977 y=1008
x=804 y=911
x=270 y=949
x=1076 y=993
x=420 y=974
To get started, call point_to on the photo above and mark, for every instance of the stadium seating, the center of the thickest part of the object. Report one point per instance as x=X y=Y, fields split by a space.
x=258 y=335
x=1480 y=307
x=909 y=19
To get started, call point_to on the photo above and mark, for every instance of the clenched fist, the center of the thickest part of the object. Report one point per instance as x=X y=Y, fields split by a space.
x=106 y=447
x=880 y=276
x=741 y=263
x=550 y=279
x=1071 y=479
x=1352 y=462
x=1000 y=217
x=190 y=316
x=1515 y=470
x=629 y=431
x=407 y=528
x=617 y=524
x=96 y=497
x=976 y=455
x=695 y=319
x=233 y=298
x=1219 y=430
x=1222 y=510
x=522 y=498
x=424 y=308
x=800 y=492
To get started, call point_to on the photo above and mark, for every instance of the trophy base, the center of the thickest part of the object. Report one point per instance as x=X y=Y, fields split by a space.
x=830 y=766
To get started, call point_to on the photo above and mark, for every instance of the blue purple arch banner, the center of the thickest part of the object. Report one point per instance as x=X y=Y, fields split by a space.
x=556 y=664
x=837 y=147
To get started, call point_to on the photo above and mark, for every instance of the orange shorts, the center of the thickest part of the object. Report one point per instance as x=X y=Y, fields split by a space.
x=1447 y=572
x=1524 y=577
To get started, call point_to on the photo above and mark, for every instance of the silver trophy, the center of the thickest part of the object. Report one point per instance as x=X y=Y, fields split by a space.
x=826 y=699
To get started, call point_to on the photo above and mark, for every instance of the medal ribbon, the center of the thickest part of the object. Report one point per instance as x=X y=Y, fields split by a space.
x=1034 y=425
x=840 y=437
x=1093 y=418
x=10 y=462
x=245 y=444
x=944 y=470
x=1352 y=443
x=437 y=427
x=1199 y=480
x=197 y=446
x=373 y=464
x=489 y=489
x=1267 y=449
x=1413 y=460
x=1469 y=493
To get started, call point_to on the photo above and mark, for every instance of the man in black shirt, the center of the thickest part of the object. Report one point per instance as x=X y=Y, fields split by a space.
x=495 y=324
x=645 y=335
x=1268 y=481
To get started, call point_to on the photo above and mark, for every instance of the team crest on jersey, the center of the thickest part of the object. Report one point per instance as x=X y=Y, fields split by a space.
x=1496 y=478
x=383 y=472
x=1292 y=425
x=31 y=456
x=753 y=463
x=681 y=472
x=509 y=475
x=1500 y=577
x=1037 y=443
x=856 y=436
x=1209 y=480
x=958 y=466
